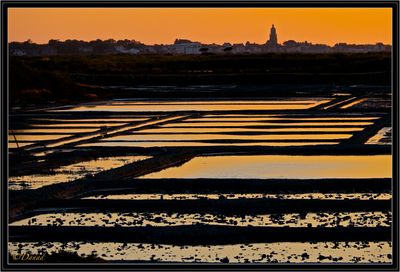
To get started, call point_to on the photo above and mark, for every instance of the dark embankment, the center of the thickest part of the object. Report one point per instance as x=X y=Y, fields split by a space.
x=66 y=79
x=198 y=234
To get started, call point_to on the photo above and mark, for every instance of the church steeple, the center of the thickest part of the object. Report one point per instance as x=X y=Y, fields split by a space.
x=273 y=37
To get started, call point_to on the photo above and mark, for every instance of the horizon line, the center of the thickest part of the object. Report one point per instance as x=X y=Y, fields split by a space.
x=213 y=43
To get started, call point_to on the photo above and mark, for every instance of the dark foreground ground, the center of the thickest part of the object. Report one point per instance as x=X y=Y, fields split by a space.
x=40 y=80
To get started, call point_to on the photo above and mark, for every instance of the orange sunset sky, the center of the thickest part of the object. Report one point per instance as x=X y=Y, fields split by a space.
x=206 y=25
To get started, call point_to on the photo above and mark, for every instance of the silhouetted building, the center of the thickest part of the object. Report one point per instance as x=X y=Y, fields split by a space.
x=273 y=37
x=185 y=47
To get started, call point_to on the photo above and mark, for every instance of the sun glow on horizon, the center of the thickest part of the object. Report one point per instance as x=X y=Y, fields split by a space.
x=207 y=25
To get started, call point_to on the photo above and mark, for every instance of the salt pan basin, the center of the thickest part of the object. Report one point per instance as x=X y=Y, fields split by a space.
x=281 y=167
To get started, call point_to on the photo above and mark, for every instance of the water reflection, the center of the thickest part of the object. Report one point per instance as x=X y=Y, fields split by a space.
x=34 y=137
x=222 y=102
x=186 y=144
x=276 y=166
x=282 y=252
x=89 y=119
x=43 y=126
x=383 y=137
x=353 y=103
x=199 y=137
x=330 y=196
x=328 y=220
x=71 y=172
x=224 y=118
x=244 y=124
x=53 y=130
x=15 y=145
x=238 y=129
x=199 y=106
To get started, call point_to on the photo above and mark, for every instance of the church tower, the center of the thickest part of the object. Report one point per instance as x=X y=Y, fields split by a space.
x=273 y=38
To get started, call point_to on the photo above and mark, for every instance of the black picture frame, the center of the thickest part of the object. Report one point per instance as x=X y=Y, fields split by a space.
x=5 y=5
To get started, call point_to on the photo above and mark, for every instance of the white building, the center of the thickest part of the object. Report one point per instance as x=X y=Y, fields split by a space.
x=186 y=47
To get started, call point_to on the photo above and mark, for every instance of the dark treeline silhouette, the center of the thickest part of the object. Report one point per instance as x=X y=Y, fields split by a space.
x=181 y=46
x=74 y=47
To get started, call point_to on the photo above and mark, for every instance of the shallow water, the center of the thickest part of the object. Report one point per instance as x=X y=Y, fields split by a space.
x=14 y=144
x=305 y=116
x=346 y=106
x=260 y=166
x=122 y=129
x=167 y=144
x=70 y=172
x=53 y=130
x=34 y=137
x=222 y=102
x=244 y=124
x=330 y=196
x=383 y=137
x=278 y=118
x=77 y=125
x=90 y=119
x=200 y=137
x=327 y=220
x=198 y=105
x=259 y=130
x=321 y=252
x=277 y=166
